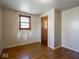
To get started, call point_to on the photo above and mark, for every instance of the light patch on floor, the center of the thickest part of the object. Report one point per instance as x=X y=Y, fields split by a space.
x=5 y=55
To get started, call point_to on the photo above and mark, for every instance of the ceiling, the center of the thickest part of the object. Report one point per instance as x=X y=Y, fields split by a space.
x=38 y=6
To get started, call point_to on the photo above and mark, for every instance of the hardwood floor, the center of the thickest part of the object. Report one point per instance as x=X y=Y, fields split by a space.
x=39 y=51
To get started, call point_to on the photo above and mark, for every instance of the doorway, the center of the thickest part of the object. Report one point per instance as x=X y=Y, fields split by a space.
x=44 y=30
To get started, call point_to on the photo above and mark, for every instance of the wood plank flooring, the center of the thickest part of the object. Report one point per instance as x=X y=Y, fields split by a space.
x=39 y=51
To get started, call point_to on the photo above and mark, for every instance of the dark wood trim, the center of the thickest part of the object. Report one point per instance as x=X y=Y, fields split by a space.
x=20 y=22
x=42 y=26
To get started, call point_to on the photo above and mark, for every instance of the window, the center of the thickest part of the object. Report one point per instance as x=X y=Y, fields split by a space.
x=25 y=22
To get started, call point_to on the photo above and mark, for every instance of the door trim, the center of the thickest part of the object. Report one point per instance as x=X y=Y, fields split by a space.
x=47 y=29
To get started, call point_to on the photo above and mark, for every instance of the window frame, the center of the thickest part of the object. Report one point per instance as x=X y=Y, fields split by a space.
x=21 y=22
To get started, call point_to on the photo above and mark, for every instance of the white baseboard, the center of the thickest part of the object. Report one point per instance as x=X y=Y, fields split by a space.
x=57 y=47
x=21 y=44
x=54 y=48
x=70 y=48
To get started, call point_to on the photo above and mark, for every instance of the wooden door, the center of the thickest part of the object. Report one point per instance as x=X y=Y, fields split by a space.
x=44 y=30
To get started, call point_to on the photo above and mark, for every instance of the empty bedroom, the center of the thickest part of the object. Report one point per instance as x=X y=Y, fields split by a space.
x=39 y=29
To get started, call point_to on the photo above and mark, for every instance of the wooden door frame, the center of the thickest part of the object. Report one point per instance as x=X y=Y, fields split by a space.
x=47 y=28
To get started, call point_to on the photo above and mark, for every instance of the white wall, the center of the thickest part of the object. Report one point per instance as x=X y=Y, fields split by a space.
x=50 y=15
x=70 y=29
x=0 y=28
x=57 y=28
x=12 y=36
